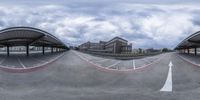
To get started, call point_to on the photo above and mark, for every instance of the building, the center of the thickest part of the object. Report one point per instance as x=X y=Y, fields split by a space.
x=118 y=45
x=102 y=45
x=115 y=45
x=152 y=50
x=89 y=46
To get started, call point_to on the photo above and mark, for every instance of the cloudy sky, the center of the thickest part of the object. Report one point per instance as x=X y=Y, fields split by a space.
x=145 y=23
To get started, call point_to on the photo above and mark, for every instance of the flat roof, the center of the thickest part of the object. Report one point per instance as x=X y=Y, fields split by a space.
x=21 y=36
x=116 y=38
x=191 y=41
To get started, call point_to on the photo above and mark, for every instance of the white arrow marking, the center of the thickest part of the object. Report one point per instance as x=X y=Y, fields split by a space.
x=168 y=83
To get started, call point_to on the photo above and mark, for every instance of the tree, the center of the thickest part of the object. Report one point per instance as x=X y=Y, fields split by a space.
x=165 y=50
x=140 y=50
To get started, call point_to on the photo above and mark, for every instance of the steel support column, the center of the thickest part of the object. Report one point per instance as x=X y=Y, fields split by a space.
x=188 y=50
x=8 y=51
x=51 y=49
x=43 y=50
x=27 y=50
x=195 y=51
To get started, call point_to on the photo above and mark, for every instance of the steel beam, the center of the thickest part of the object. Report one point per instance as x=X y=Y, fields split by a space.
x=36 y=39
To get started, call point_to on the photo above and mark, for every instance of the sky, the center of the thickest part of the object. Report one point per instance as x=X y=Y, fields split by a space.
x=144 y=23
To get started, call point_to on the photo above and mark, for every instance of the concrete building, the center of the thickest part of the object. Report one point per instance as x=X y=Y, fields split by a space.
x=152 y=50
x=84 y=46
x=115 y=45
x=89 y=46
x=118 y=45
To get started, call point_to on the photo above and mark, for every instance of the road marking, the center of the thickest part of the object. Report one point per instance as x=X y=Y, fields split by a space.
x=168 y=83
x=102 y=60
x=127 y=70
x=84 y=56
x=21 y=63
x=134 y=64
x=114 y=64
x=2 y=60
x=145 y=60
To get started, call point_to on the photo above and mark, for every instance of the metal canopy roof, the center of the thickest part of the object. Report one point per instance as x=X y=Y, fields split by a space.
x=191 y=41
x=21 y=36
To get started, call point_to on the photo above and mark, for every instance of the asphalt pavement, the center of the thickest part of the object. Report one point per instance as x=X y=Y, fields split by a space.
x=73 y=78
x=15 y=61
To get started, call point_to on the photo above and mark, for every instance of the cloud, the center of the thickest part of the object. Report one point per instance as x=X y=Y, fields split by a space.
x=146 y=26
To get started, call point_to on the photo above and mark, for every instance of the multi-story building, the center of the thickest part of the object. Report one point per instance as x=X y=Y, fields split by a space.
x=84 y=46
x=115 y=45
x=118 y=45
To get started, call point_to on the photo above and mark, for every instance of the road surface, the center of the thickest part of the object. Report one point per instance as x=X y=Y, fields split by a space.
x=73 y=78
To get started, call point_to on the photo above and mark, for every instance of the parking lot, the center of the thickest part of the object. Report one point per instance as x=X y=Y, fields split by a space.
x=114 y=64
x=21 y=61
x=72 y=78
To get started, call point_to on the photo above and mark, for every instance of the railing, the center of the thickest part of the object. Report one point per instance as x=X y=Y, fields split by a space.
x=123 y=55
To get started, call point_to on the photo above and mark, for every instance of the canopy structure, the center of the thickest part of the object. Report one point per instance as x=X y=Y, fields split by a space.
x=28 y=36
x=191 y=42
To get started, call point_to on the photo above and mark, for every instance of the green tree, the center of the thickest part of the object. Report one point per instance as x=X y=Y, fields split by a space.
x=165 y=50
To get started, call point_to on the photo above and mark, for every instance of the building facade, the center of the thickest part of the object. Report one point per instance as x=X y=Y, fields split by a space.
x=84 y=46
x=118 y=45
x=115 y=45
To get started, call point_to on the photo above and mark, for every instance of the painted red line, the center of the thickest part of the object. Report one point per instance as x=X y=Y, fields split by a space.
x=114 y=70
x=29 y=69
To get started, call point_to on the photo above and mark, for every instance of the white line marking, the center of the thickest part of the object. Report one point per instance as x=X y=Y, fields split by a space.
x=137 y=68
x=168 y=83
x=2 y=60
x=102 y=60
x=134 y=64
x=21 y=63
x=84 y=56
x=145 y=60
x=114 y=64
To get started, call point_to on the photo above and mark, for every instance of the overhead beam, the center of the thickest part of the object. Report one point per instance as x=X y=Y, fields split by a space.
x=5 y=40
x=36 y=39
x=196 y=42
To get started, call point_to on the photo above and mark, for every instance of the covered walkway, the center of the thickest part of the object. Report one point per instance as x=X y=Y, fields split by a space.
x=23 y=39
x=190 y=45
